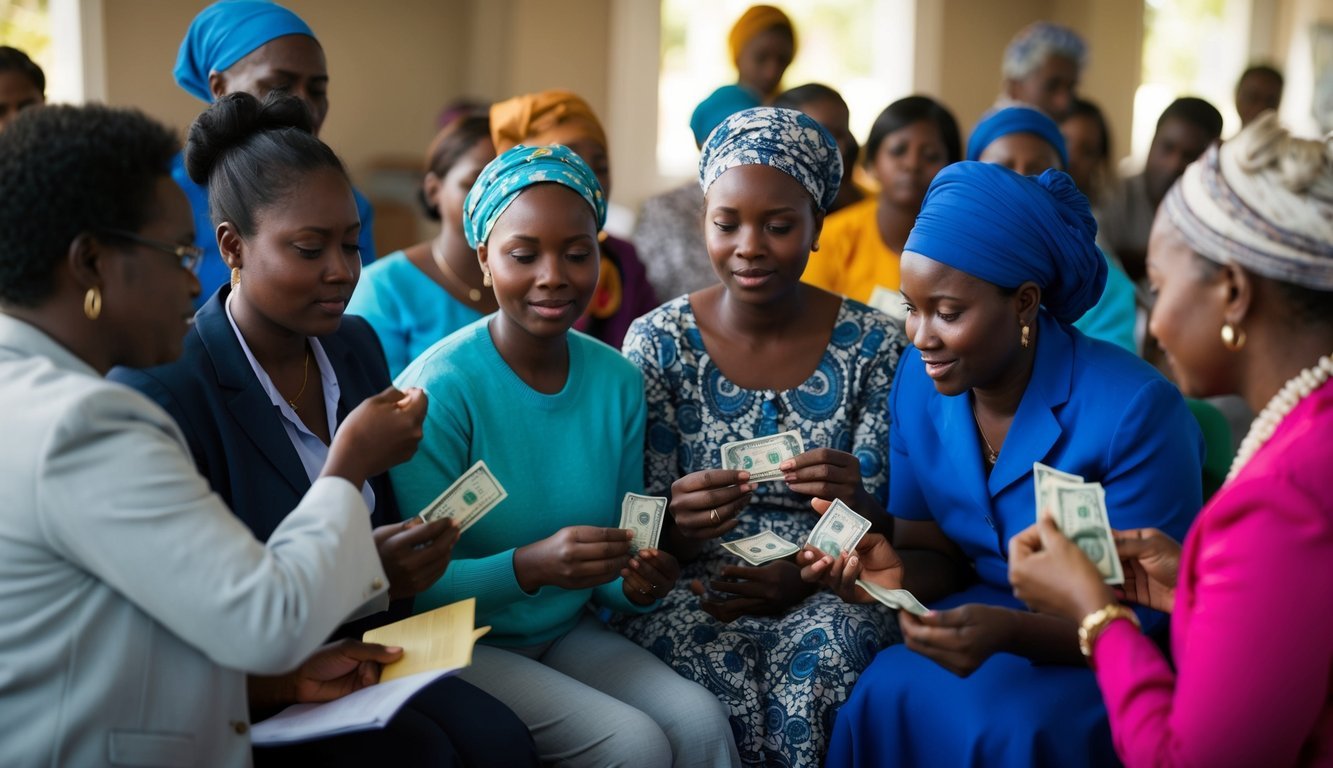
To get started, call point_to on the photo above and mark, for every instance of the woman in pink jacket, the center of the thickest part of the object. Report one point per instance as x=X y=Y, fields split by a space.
x=1241 y=263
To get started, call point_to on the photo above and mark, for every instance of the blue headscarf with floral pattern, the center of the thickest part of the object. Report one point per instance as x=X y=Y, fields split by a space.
x=785 y=139
x=505 y=177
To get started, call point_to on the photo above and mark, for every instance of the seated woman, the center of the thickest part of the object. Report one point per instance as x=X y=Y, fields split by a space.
x=1025 y=140
x=417 y=296
x=560 y=117
x=999 y=380
x=1242 y=692
x=270 y=370
x=757 y=354
x=910 y=142
x=132 y=602
x=539 y=558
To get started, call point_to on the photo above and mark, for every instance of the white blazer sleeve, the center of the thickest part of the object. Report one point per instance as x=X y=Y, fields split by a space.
x=120 y=496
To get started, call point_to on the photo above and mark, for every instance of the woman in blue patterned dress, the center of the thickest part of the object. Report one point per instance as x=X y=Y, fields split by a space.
x=758 y=354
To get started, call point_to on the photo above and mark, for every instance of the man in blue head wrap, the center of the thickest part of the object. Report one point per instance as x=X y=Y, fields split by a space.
x=994 y=272
x=253 y=46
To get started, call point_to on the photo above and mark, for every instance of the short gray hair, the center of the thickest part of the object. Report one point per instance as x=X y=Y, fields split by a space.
x=1037 y=42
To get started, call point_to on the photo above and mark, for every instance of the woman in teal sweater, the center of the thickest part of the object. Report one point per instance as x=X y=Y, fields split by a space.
x=558 y=417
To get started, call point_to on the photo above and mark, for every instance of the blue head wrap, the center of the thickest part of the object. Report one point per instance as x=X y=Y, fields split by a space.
x=505 y=177
x=226 y=32
x=785 y=139
x=720 y=104
x=1002 y=122
x=1007 y=229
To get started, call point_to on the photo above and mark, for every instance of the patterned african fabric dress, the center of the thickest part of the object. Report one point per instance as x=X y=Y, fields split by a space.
x=783 y=677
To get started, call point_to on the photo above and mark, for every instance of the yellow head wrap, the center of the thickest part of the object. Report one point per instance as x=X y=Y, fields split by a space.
x=549 y=117
x=756 y=19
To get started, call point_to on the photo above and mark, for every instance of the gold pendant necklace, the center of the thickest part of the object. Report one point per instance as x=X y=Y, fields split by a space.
x=991 y=454
x=443 y=263
x=305 y=378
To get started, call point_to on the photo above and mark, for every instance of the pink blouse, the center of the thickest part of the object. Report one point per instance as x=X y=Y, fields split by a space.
x=1252 y=630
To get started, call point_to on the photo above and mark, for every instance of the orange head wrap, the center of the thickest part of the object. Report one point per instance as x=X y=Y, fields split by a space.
x=756 y=19
x=549 y=117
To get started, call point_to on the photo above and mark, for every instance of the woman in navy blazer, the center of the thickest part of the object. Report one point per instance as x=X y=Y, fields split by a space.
x=999 y=379
x=270 y=370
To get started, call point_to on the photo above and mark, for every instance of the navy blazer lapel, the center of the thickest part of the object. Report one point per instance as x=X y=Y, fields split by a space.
x=1035 y=428
x=249 y=405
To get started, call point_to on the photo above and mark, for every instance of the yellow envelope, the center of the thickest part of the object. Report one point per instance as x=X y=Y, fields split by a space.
x=438 y=639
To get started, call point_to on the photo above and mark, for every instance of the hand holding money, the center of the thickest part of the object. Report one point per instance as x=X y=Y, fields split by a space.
x=838 y=530
x=1052 y=575
x=643 y=515
x=576 y=557
x=704 y=504
x=873 y=559
x=1079 y=510
x=651 y=574
x=468 y=498
x=825 y=474
x=762 y=457
x=743 y=590
x=414 y=554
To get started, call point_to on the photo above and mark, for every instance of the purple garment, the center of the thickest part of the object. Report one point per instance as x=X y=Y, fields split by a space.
x=637 y=295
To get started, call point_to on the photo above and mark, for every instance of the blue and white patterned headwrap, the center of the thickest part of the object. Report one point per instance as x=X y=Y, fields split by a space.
x=226 y=32
x=1039 y=41
x=504 y=179
x=785 y=139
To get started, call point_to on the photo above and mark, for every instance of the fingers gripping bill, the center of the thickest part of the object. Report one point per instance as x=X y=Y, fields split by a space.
x=839 y=530
x=1079 y=511
x=762 y=455
x=643 y=515
x=468 y=500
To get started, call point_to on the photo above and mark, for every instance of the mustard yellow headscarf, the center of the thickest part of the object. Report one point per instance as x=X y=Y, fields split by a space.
x=548 y=117
x=756 y=19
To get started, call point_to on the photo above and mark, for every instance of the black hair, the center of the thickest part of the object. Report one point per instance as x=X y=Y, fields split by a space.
x=914 y=109
x=251 y=154
x=1262 y=69
x=1085 y=108
x=452 y=142
x=14 y=60
x=66 y=171
x=795 y=98
x=1196 y=112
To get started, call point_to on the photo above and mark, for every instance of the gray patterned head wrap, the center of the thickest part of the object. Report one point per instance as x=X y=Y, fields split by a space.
x=785 y=139
x=1263 y=201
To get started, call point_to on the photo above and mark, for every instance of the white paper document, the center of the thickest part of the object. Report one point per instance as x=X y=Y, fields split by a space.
x=371 y=707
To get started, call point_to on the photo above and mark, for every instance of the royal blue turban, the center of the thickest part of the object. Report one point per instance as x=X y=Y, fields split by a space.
x=504 y=179
x=226 y=32
x=1007 y=229
x=720 y=104
x=1003 y=122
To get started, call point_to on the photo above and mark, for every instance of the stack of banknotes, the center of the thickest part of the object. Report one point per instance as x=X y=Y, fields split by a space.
x=1079 y=511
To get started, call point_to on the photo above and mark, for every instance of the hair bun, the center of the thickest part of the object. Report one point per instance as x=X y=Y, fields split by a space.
x=234 y=119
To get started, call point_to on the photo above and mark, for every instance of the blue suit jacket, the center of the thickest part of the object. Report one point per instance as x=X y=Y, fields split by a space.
x=1091 y=408
x=238 y=441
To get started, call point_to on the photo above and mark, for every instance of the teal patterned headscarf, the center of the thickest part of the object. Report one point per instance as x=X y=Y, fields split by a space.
x=505 y=177
x=785 y=139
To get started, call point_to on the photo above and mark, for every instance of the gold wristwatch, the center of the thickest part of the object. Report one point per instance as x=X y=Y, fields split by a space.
x=1096 y=622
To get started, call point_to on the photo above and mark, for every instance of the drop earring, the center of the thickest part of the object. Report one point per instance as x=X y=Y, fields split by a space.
x=92 y=303
x=486 y=278
x=235 y=278
x=1027 y=336
x=1233 y=338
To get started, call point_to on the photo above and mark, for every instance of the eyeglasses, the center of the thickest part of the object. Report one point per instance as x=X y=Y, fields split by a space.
x=189 y=255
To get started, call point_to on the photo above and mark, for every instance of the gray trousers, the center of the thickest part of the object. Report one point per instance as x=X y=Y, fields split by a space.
x=594 y=698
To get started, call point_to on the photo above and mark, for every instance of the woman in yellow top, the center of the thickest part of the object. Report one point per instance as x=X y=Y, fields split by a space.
x=857 y=253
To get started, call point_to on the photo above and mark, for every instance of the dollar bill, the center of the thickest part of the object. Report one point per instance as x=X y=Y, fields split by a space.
x=468 y=499
x=643 y=515
x=761 y=547
x=1079 y=510
x=839 y=530
x=898 y=599
x=1044 y=479
x=762 y=455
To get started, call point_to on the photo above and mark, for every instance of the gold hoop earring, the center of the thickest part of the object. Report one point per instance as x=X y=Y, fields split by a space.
x=1233 y=338
x=235 y=278
x=1027 y=336
x=486 y=278
x=92 y=303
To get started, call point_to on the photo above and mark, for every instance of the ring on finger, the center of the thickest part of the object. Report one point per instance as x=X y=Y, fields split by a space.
x=716 y=519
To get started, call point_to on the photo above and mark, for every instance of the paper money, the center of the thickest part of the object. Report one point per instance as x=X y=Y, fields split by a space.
x=898 y=599
x=643 y=515
x=1079 y=510
x=1043 y=480
x=761 y=547
x=762 y=455
x=839 y=530
x=470 y=497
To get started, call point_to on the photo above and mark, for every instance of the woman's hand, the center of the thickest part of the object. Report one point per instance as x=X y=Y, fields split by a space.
x=705 y=504
x=650 y=576
x=874 y=560
x=1052 y=575
x=763 y=590
x=329 y=673
x=382 y=432
x=959 y=639
x=1151 y=561
x=826 y=474
x=576 y=557
x=414 y=554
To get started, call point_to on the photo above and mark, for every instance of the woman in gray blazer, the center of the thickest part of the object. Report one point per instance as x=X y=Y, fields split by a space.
x=132 y=602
